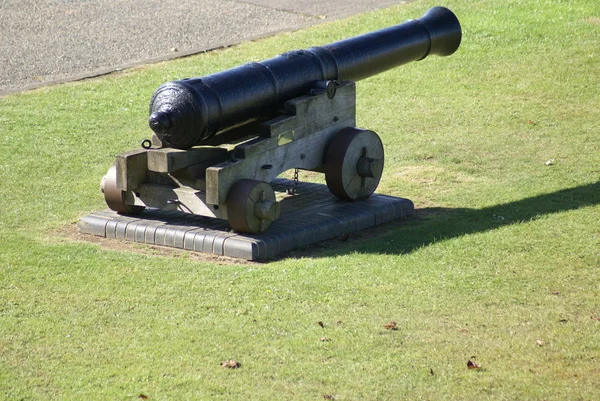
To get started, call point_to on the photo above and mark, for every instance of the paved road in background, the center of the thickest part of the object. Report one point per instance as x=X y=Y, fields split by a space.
x=48 y=41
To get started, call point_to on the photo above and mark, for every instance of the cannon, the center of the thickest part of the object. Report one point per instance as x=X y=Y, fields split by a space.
x=219 y=140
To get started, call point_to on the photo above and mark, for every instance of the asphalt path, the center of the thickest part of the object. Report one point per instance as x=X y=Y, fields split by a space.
x=44 y=42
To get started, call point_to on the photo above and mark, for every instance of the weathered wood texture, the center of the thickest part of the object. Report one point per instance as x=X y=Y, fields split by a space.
x=298 y=139
x=131 y=169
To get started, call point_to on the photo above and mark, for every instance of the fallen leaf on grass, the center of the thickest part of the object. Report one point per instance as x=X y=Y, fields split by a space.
x=555 y=292
x=143 y=396
x=231 y=364
x=539 y=342
x=594 y=317
x=328 y=397
x=431 y=372
x=473 y=365
x=391 y=326
x=321 y=324
x=325 y=339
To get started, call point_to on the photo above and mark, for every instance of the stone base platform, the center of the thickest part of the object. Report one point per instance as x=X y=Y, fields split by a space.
x=313 y=214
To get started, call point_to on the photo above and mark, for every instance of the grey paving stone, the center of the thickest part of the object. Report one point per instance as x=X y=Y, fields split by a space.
x=219 y=244
x=199 y=241
x=93 y=224
x=209 y=240
x=179 y=235
x=121 y=229
x=130 y=231
x=238 y=247
x=188 y=240
x=140 y=233
x=160 y=234
x=111 y=228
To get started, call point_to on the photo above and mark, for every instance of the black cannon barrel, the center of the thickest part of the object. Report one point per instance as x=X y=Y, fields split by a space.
x=186 y=112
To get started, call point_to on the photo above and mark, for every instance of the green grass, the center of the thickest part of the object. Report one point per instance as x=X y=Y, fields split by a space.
x=505 y=249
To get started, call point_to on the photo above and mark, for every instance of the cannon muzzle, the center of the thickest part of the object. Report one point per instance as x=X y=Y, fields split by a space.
x=187 y=112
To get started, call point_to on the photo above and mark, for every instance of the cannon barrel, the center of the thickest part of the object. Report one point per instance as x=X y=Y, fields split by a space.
x=186 y=112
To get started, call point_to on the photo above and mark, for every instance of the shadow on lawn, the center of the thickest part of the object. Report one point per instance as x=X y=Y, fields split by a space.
x=432 y=225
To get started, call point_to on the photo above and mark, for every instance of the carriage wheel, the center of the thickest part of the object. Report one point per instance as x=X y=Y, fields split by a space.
x=251 y=206
x=114 y=197
x=354 y=163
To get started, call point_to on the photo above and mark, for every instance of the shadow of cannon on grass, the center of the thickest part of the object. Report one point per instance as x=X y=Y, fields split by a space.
x=435 y=224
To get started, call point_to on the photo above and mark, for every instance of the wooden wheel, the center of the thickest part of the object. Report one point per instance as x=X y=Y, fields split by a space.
x=354 y=163
x=114 y=197
x=251 y=206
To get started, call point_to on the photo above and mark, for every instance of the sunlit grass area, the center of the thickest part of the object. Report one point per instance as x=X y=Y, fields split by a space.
x=497 y=145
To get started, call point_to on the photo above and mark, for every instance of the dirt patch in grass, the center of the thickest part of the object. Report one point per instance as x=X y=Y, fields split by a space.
x=593 y=20
x=71 y=233
x=419 y=174
x=431 y=175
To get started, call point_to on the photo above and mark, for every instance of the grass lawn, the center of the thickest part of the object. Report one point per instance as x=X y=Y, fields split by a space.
x=498 y=145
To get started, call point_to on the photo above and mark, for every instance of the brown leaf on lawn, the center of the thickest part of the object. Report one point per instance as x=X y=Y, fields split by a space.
x=231 y=364
x=594 y=317
x=431 y=372
x=391 y=326
x=325 y=339
x=539 y=342
x=143 y=396
x=473 y=365
x=556 y=292
x=328 y=397
x=321 y=324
